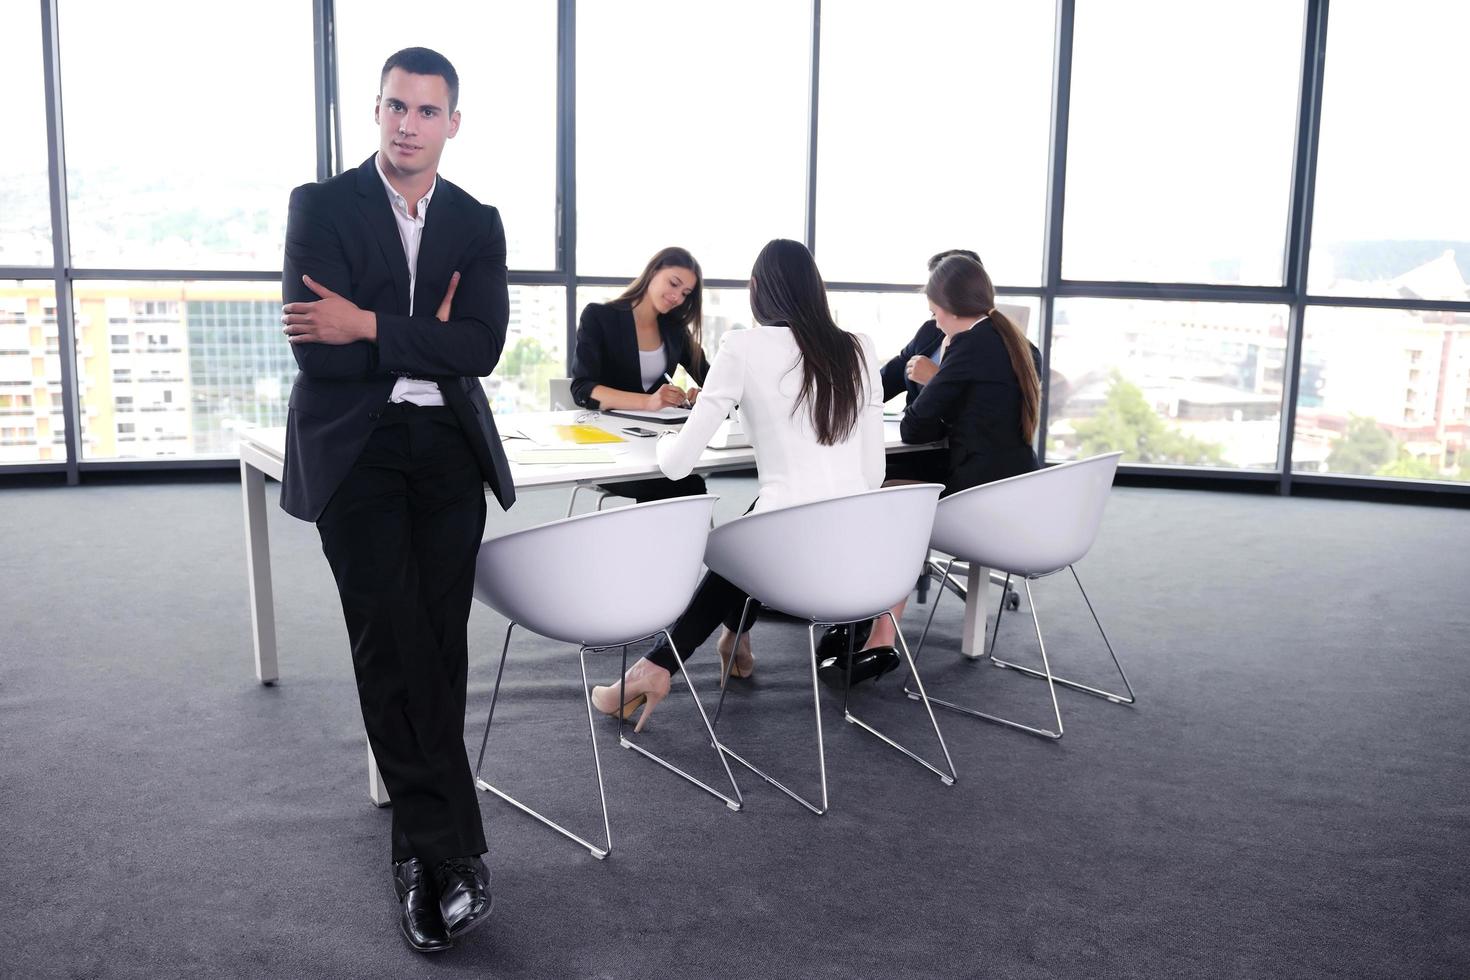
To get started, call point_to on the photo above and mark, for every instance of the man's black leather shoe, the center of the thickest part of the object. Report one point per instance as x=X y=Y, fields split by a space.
x=420 y=921
x=464 y=893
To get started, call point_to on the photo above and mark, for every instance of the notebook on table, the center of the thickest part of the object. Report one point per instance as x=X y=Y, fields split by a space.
x=570 y=454
x=663 y=416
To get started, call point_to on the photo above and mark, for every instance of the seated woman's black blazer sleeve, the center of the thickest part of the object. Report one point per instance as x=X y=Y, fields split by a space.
x=587 y=359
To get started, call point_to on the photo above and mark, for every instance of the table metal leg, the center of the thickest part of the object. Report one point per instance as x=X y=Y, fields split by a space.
x=377 y=792
x=977 y=609
x=258 y=568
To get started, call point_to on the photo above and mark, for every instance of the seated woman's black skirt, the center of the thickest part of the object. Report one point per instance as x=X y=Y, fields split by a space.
x=925 y=466
x=657 y=488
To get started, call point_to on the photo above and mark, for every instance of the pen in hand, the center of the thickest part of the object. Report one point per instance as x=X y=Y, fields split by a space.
x=670 y=380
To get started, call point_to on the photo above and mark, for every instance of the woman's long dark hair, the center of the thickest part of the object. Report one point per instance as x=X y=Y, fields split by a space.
x=786 y=290
x=960 y=285
x=688 y=313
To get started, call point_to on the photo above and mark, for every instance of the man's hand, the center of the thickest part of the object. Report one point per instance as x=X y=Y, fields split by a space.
x=332 y=319
x=920 y=369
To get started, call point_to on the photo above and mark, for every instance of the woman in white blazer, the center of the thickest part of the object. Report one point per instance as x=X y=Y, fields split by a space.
x=811 y=401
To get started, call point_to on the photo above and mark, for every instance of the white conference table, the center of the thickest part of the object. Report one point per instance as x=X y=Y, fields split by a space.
x=263 y=454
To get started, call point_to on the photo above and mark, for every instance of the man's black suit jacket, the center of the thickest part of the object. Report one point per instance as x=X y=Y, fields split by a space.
x=343 y=234
x=607 y=352
x=926 y=341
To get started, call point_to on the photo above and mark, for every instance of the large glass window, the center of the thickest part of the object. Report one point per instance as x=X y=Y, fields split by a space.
x=1384 y=393
x=25 y=207
x=692 y=125
x=178 y=368
x=933 y=135
x=691 y=130
x=1391 y=215
x=32 y=426
x=535 y=350
x=505 y=54
x=891 y=319
x=1179 y=158
x=184 y=139
x=1174 y=383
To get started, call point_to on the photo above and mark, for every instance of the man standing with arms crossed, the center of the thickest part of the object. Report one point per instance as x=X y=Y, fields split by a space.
x=389 y=444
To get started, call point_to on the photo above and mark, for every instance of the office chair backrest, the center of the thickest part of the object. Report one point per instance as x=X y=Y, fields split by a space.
x=567 y=580
x=834 y=560
x=1031 y=524
x=560 y=395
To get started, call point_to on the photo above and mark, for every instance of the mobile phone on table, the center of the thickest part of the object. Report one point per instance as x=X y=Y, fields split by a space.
x=639 y=431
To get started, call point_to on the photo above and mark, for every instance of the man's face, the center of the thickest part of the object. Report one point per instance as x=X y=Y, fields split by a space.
x=413 y=122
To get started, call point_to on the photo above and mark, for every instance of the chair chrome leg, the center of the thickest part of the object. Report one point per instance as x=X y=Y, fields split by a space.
x=730 y=664
x=1047 y=674
x=951 y=580
x=1112 y=696
x=933 y=608
x=596 y=758
x=738 y=801
x=622 y=690
x=811 y=640
x=944 y=577
x=989 y=651
x=949 y=778
x=494 y=696
x=1000 y=611
x=821 y=747
x=602 y=496
x=847 y=671
x=598 y=852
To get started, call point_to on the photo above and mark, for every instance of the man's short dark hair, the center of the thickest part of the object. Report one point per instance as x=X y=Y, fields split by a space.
x=423 y=61
x=936 y=259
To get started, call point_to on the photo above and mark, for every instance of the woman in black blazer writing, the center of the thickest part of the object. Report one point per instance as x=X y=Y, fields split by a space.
x=984 y=395
x=628 y=349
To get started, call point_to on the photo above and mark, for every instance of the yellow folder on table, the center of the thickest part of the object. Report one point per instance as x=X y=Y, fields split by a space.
x=584 y=435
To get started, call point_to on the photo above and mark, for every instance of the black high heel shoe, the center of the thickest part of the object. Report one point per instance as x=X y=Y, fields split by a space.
x=866 y=665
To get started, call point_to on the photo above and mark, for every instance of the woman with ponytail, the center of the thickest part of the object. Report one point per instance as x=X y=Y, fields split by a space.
x=984 y=397
x=811 y=401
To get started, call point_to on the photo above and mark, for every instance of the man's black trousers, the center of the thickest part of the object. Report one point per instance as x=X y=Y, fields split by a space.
x=401 y=535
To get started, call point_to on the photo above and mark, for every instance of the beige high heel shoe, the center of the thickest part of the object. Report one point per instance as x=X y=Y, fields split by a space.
x=744 y=665
x=645 y=685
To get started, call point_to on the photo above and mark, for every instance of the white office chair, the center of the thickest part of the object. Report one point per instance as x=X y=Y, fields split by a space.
x=1029 y=526
x=549 y=580
x=559 y=398
x=833 y=561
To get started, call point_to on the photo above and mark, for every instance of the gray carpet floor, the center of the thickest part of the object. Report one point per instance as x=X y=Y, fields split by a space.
x=1289 y=797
